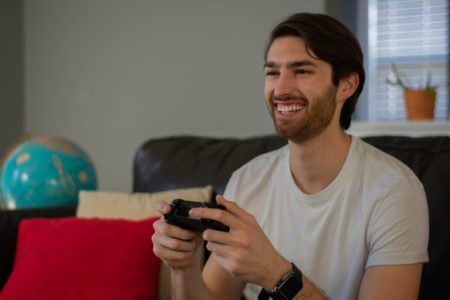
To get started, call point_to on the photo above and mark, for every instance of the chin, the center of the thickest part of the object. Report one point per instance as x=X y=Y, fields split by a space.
x=299 y=134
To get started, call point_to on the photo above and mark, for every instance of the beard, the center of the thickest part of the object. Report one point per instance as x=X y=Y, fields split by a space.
x=315 y=119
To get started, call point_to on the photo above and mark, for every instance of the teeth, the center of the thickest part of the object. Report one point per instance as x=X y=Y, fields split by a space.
x=288 y=108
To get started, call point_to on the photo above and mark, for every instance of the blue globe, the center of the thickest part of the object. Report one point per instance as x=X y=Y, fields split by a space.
x=45 y=171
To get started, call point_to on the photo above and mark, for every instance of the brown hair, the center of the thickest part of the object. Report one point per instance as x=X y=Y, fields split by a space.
x=332 y=42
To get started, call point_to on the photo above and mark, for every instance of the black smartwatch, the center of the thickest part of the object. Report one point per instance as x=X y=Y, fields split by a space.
x=286 y=288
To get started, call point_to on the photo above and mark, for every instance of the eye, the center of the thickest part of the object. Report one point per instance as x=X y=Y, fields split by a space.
x=302 y=71
x=270 y=73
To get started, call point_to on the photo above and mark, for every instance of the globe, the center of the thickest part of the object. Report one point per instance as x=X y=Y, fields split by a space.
x=45 y=171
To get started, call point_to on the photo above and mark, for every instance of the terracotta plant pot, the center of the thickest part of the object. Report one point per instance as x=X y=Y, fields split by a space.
x=420 y=104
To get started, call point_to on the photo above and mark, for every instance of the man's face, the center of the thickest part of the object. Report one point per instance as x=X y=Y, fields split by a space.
x=298 y=90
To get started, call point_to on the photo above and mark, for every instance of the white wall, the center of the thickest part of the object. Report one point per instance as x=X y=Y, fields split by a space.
x=110 y=74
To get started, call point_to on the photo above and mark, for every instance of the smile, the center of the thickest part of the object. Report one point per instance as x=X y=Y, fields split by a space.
x=286 y=108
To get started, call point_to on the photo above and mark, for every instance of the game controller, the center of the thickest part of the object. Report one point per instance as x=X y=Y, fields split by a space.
x=179 y=216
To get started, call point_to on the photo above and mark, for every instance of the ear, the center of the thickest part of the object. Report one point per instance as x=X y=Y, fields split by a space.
x=347 y=87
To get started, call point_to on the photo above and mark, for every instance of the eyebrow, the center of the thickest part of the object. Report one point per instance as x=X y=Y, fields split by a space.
x=291 y=65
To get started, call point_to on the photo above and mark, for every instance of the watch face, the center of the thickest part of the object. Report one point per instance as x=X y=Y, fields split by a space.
x=290 y=287
x=287 y=287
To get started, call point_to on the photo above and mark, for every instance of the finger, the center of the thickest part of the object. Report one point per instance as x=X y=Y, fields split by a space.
x=168 y=254
x=163 y=207
x=162 y=227
x=213 y=214
x=232 y=207
x=211 y=235
x=223 y=238
x=232 y=214
x=218 y=249
x=172 y=243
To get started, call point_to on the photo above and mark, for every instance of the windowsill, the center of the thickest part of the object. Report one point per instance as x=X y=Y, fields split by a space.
x=405 y=128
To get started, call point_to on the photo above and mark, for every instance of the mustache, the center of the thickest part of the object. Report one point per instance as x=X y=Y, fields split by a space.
x=289 y=98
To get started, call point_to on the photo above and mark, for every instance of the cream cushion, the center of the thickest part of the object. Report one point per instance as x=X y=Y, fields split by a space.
x=136 y=206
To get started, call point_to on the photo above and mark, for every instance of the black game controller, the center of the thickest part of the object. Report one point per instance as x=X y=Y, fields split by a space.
x=179 y=216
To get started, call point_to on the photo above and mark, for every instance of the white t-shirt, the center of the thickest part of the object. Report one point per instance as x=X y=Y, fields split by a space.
x=373 y=213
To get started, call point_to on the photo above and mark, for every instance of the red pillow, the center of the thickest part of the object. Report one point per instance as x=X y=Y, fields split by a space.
x=74 y=258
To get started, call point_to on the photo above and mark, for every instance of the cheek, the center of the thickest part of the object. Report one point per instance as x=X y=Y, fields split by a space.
x=268 y=91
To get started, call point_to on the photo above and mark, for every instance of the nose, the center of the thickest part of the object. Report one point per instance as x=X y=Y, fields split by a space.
x=284 y=86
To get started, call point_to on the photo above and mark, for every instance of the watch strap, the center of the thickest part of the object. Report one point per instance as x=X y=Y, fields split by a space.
x=286 y=288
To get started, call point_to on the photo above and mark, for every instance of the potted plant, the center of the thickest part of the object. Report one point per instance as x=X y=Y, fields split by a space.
x=419 y=101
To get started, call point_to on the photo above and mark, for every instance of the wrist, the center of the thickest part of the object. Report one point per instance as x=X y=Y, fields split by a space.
x=275 y=275
x=185 y=270
x=286 y=288
x=185 y=273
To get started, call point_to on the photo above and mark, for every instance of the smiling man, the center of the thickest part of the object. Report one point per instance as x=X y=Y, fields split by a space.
x=327 y=216
x=284 y=99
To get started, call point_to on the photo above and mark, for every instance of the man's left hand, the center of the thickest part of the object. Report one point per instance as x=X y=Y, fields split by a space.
x=244 y=251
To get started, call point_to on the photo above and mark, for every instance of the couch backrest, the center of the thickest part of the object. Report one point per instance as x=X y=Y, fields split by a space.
x=429 y=158
x=188 y=161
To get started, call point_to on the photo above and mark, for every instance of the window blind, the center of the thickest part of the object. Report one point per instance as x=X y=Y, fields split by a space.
x=413 y=34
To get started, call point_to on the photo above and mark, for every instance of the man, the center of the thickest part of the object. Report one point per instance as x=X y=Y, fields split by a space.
x=327 y=215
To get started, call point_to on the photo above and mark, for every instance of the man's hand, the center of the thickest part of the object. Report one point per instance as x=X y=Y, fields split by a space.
x=245 y=251
x=177 y=247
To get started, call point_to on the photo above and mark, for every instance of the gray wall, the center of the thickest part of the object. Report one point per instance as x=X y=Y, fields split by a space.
x=111 y=74
x=11 y=73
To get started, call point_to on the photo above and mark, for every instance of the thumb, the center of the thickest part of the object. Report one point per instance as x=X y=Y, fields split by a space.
x=163 y=207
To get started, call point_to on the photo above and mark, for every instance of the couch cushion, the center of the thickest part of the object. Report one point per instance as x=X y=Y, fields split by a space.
x=71 y=258
x=133 y=206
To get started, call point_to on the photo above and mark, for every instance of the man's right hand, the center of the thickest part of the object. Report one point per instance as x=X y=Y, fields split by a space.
x=176 y=247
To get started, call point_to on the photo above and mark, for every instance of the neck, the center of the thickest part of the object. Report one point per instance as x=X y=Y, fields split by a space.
x=316 y=163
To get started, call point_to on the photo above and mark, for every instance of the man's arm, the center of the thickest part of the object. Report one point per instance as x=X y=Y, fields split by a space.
x=391 y=282
x=379 y=282
x=188 y=284
x=225 y=286
x=397 y=234
x=243 y=255
x=181 y=250
x=220 y=283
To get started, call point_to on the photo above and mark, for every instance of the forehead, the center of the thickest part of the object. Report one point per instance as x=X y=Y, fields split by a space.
x=288 y=49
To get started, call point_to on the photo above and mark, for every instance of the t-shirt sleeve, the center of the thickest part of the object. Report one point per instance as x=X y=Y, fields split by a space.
x=230 y=189
x=398 y=228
